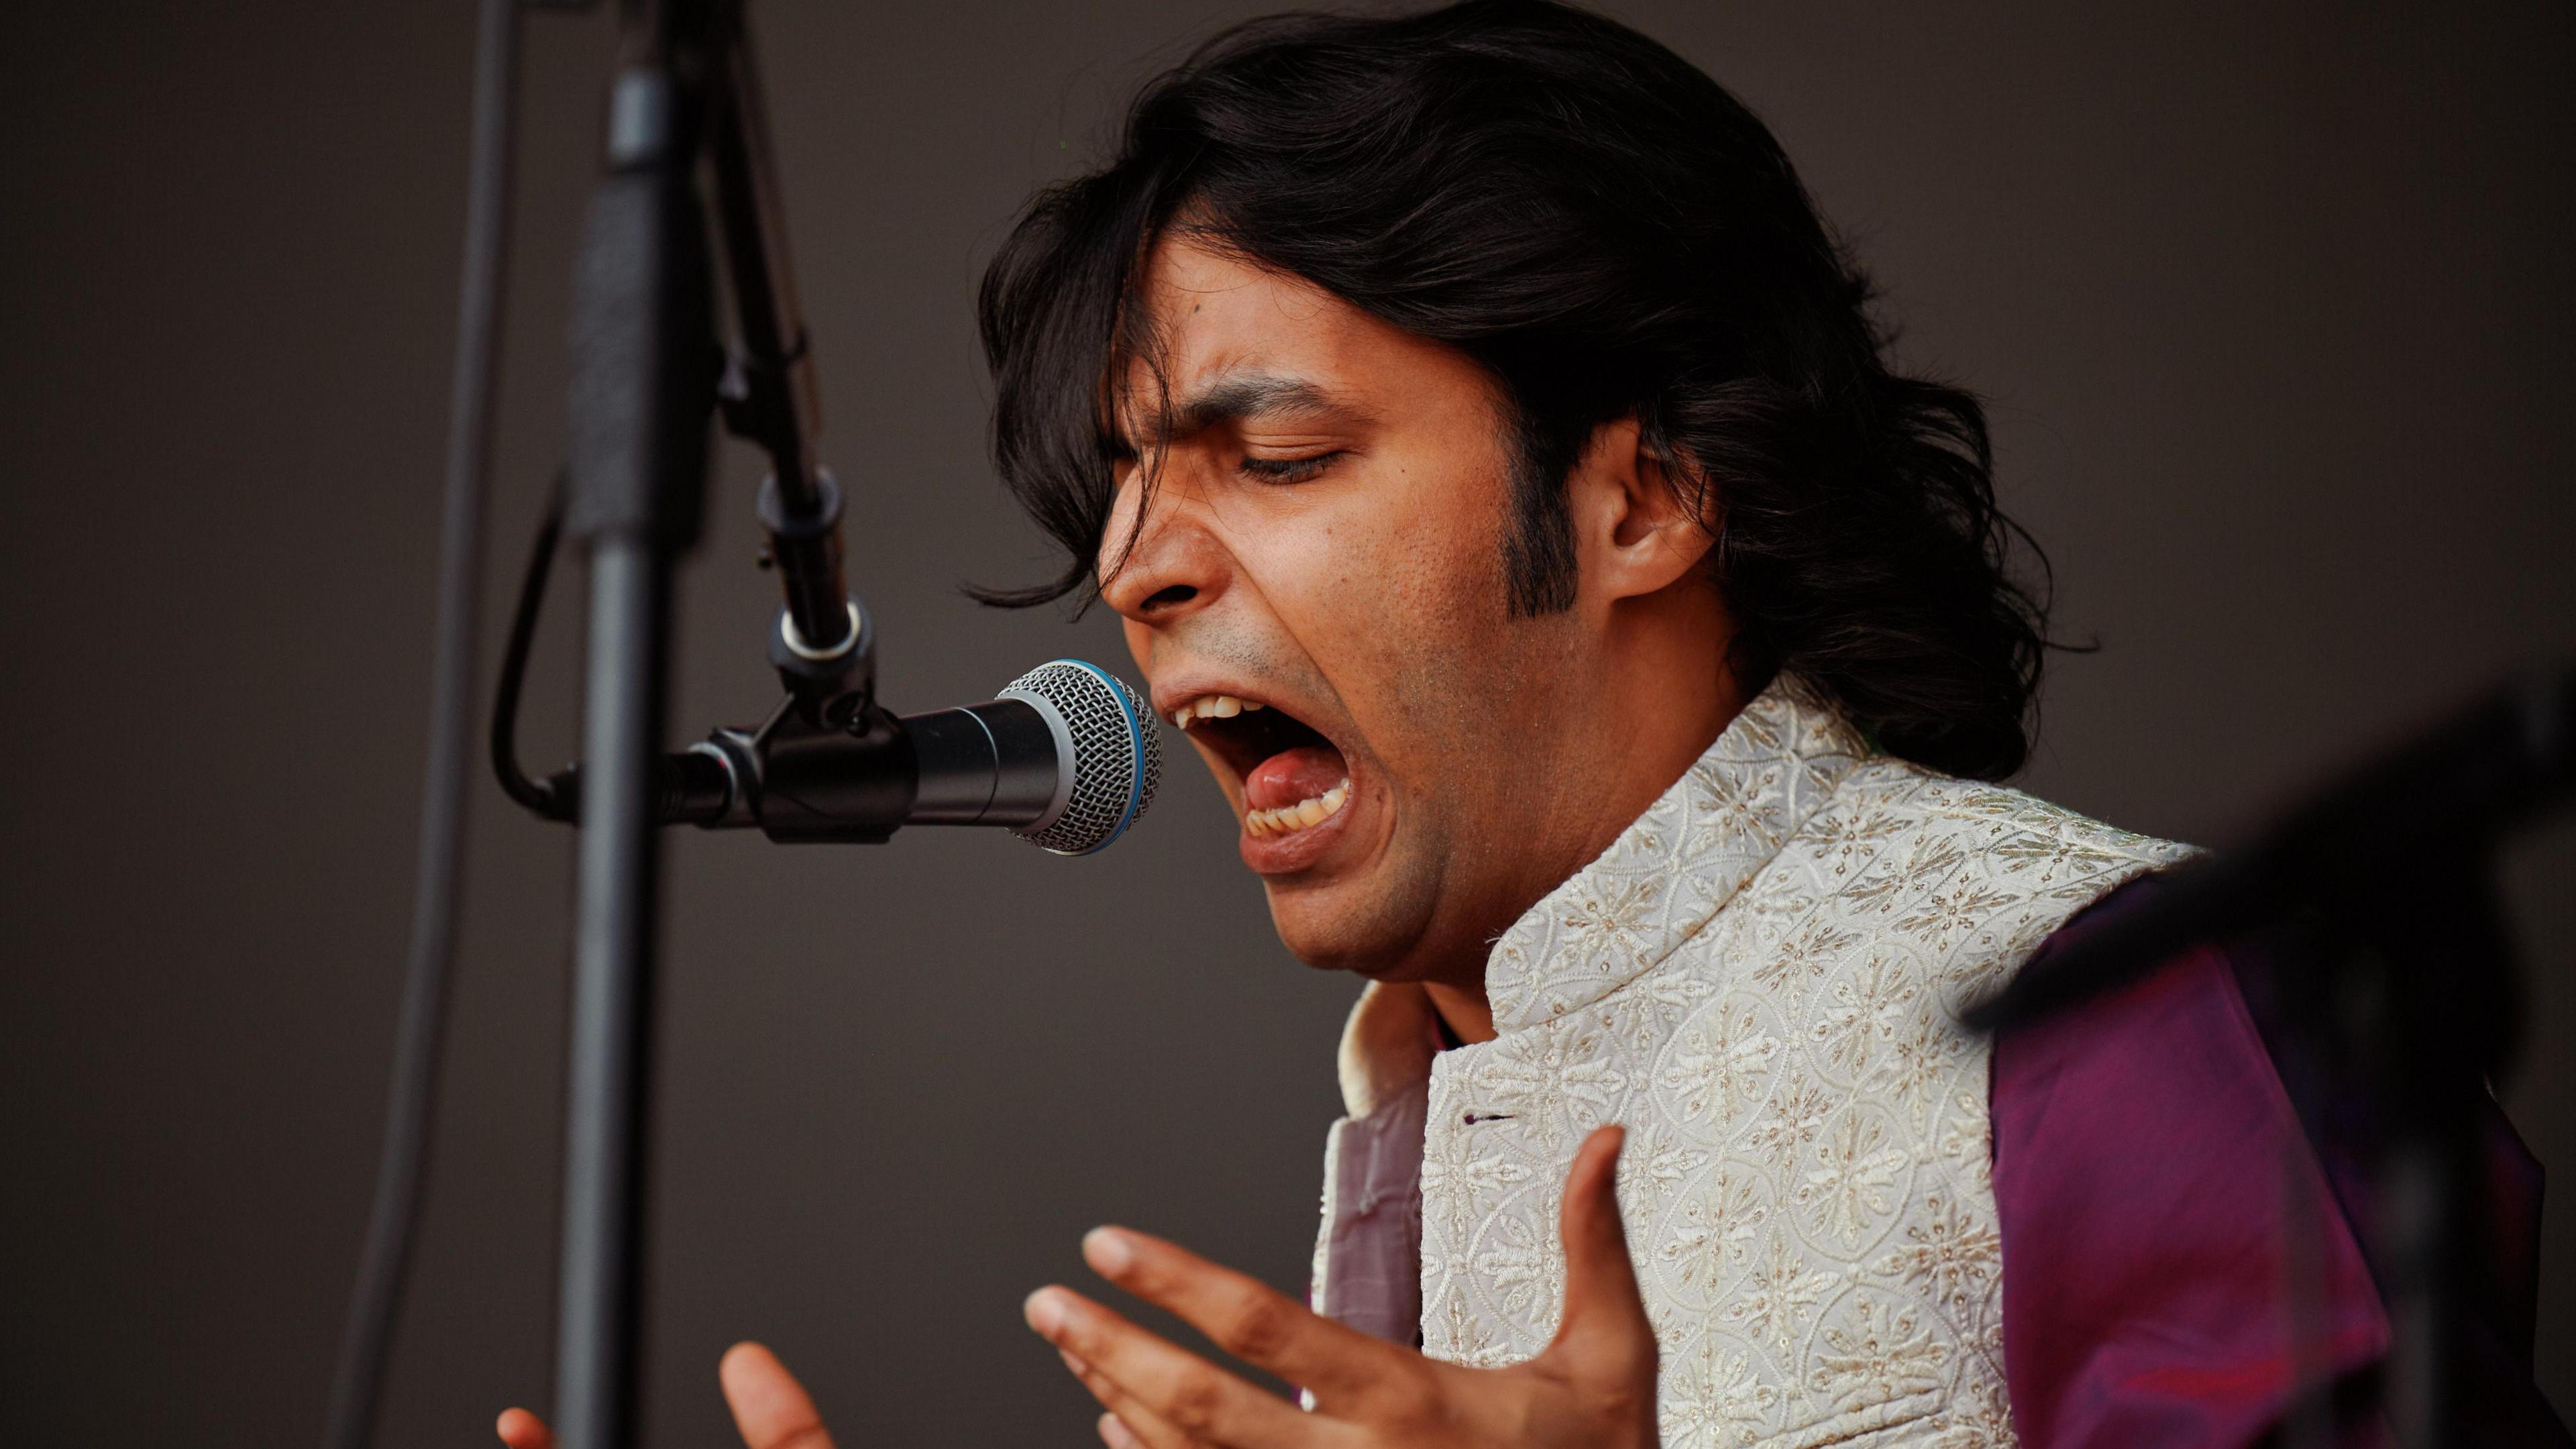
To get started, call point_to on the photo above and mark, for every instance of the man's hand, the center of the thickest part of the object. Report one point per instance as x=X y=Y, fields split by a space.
x=1594 y=1387
x=769 y=1407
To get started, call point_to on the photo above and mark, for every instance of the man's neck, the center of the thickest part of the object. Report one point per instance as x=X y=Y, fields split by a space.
x=1469 y=1015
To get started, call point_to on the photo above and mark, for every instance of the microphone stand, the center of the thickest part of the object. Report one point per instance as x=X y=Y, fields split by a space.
x=646 y=375
x=2392 y=869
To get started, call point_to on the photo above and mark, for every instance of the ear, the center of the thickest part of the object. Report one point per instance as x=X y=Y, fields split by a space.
x=1635 y=531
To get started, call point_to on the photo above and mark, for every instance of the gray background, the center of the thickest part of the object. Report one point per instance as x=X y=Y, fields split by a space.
x=2273 y=311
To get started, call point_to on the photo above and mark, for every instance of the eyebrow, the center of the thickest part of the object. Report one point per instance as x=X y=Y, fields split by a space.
x=1242 y=397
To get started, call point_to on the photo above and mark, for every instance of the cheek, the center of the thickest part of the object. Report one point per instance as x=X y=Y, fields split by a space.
x=1408 y=609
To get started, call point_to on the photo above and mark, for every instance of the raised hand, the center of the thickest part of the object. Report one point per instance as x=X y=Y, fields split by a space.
x=1593 y=1387
x=769 y=1407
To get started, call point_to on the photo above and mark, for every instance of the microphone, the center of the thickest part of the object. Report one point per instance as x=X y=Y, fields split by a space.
x=1065 y=756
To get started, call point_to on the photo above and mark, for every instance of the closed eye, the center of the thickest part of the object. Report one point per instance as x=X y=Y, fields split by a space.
x=1287 y=470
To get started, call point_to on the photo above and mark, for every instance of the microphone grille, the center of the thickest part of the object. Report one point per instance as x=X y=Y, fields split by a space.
x=1117 y=753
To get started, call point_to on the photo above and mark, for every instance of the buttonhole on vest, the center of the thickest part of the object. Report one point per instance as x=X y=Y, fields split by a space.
x=1475 y=1117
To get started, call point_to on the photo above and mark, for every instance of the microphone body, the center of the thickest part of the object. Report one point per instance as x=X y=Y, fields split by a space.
x=1003 y=763
x=997 y=763
x=1065 y=756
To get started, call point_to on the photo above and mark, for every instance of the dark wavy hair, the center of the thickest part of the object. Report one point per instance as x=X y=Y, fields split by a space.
x=1609 y=234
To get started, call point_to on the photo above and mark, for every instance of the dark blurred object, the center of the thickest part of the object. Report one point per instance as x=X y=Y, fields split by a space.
x=393 y=1224
x=2392 y=871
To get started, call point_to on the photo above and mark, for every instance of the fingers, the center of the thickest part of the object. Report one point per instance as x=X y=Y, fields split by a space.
x=769 y=1407
x=1198 y=1399
x=1602 y=1306
x=1240 y=1314
x=1128 y=1424
x=522 y=1430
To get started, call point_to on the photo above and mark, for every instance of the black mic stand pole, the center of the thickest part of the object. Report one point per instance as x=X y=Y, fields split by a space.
x=646 y=375
x=642 y=358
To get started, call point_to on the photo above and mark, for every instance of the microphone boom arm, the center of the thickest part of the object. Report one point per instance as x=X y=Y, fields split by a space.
x=822 y=646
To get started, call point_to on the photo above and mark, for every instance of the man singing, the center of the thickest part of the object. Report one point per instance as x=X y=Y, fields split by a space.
x=1606 y=654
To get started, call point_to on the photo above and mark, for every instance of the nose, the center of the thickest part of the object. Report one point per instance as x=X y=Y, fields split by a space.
x=1169 y=567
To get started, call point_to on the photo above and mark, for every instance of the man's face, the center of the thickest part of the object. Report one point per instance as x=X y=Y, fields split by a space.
x=1322 y=566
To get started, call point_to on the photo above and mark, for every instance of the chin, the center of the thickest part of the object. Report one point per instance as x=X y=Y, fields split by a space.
x=1345 y=927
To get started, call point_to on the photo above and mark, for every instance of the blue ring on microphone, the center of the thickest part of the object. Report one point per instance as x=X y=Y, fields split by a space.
x=1135 y=746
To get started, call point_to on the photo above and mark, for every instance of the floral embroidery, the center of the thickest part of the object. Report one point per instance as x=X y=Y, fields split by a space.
x=1712 y=1398
x=1868 y=1010
x=1713 y=1231
x=1719 y=1062
x=1918 y=1061
x=2047 y=857
x=1941 y=920
x=1804 y=958
x=1950 y=1253
x=1851 y=1180
x=1621 y=913
x=1881 y=1354
x=1982 y=1421
x=1790 y=1121
x=1524 y=1266
x=1658 y=1164
x=1780 y=1297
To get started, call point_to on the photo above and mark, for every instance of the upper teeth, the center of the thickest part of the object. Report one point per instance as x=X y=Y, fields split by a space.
x=1221 y=706
x=1286 y=818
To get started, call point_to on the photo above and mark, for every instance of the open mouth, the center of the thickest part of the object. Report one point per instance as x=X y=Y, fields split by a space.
x=1293 y=778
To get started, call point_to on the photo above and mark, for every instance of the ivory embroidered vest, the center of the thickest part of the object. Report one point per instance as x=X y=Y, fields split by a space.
x=1760 y=978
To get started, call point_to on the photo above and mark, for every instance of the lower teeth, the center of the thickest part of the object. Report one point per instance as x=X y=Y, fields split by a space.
x=1305 y=813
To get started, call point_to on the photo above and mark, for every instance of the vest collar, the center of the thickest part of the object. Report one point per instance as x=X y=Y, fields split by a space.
x=1654 y=888
x=1678 y=864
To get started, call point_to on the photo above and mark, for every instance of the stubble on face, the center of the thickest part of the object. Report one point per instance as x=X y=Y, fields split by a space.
x=1466 y=682
x=1377 y=593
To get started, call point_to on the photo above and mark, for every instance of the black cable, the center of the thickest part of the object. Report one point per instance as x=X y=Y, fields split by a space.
x=400 y=1173
x=537 y=796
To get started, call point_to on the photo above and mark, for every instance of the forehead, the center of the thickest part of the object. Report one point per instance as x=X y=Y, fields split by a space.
x=1212 y=316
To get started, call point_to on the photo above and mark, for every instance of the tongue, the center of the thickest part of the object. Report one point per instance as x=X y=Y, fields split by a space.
x=1293 y=775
